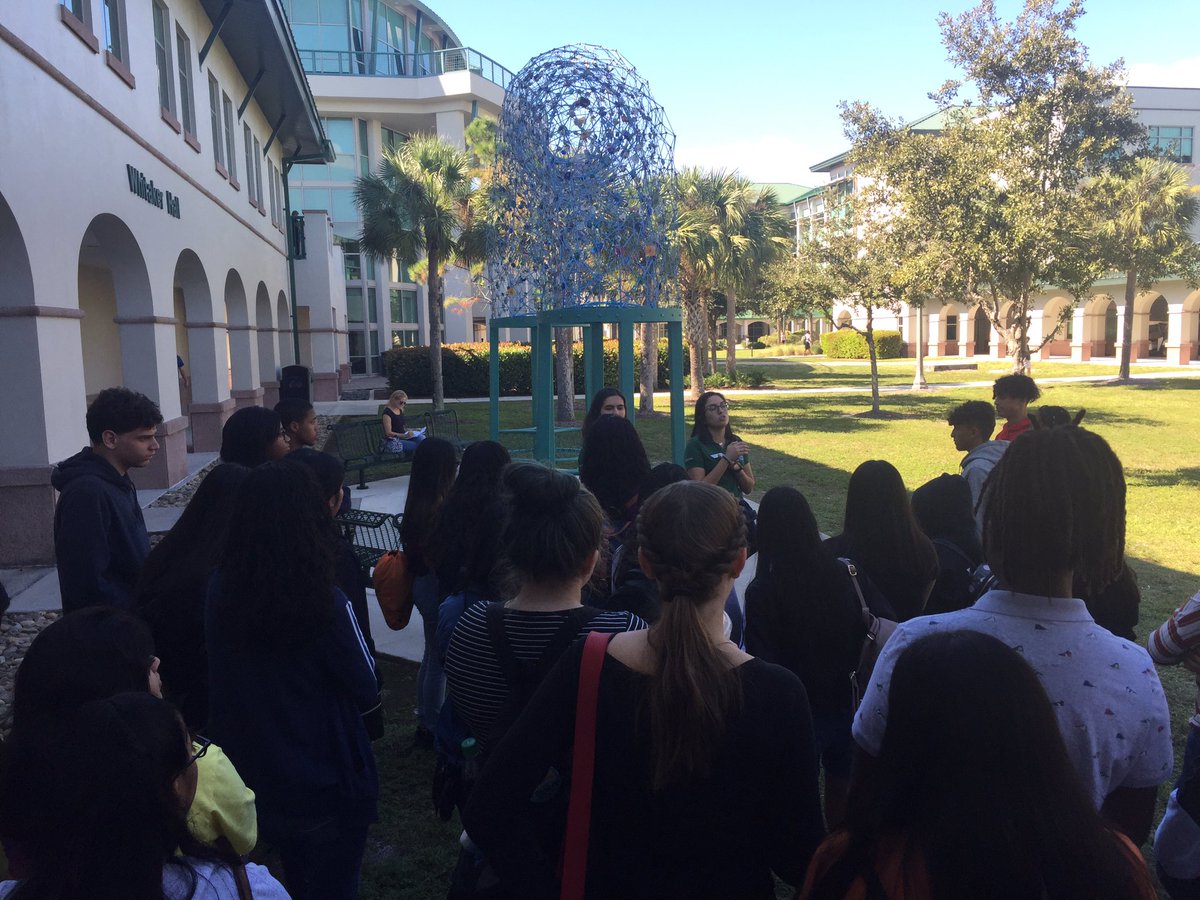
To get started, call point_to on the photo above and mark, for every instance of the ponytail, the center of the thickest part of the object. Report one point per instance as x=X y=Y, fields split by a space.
x=691 y=534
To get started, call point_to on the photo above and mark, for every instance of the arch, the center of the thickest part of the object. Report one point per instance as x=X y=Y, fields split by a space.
x=981 y=336
x=206 y=360
x=118 y=306
x=283 y=323
x=1109 y=310
x=241 y=348
x=267 y=361
x=19 y=361
x=1060 y=344
x=756 y=330
x=1158 y=329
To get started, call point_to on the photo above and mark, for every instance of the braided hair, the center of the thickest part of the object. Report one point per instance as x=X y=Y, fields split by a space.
x=1056 y=504
x=691 y=535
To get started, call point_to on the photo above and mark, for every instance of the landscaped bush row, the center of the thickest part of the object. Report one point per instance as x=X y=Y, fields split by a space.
x=845 y=343
x=465 y=368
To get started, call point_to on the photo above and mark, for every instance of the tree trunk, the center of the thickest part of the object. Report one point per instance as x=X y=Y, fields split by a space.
x=711 y=364
x=1127 y=325
x=649 y=367
x=693 y=324
x=874 y=359
x=731 y=332
x=919 y=376
x=434 y=291
x=564 y=375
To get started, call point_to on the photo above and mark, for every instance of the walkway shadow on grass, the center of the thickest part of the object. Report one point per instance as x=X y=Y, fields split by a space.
x=1189 y=477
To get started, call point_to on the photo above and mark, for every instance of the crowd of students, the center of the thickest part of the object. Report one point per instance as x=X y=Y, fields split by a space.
x=220 y=692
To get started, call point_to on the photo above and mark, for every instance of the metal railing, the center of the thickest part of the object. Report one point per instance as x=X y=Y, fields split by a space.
x=404 y=65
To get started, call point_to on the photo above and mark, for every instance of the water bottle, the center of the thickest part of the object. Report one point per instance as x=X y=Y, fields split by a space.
x=471 y=761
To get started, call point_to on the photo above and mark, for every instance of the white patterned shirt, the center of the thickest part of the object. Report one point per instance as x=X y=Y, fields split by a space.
x=1104 y=689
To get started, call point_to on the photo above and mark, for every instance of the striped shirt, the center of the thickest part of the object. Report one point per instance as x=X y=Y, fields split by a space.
x=473 y=673
x=1177 y=640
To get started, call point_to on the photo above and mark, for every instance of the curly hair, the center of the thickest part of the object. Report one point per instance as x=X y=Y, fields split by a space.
x=691 y=535
x=120 y=410
x=276 y=573
x=1020 y=387
x=1055 y=503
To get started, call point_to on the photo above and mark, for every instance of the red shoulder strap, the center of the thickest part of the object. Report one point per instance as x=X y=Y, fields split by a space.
x=579 y=813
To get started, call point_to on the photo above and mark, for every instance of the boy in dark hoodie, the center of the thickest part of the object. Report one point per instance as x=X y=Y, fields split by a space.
x=971 y=427
x=100 y=538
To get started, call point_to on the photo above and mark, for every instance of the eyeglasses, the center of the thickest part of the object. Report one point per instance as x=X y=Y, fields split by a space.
x=717 y=407
x=204 y=743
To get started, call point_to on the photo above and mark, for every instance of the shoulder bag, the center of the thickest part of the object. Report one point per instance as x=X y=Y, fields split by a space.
x=878 y=631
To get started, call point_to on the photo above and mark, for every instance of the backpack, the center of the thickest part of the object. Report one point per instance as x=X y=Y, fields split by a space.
x=523 y=676
x=393 y=582
x=878 y=632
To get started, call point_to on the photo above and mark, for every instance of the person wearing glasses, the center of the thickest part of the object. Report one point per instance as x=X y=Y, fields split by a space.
x=715 y=454
x=99 y=798
x=102 y=651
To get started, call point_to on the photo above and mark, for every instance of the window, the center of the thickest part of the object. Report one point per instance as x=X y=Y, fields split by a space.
x=162 y=56
x=77 y=16
x=114 y=29
x=230 y=138
x=78 y=8
x=355 y=314
x=248 y=142
x=393 y=139
x=406 y=337
x=214 y=114
x=404 y=306
x=952 y=327
x=479 y=331
x=352 y=263
x=1172 y=141
x=364 y=163
x=280 y=196
x=258 y=177
x=187 y=107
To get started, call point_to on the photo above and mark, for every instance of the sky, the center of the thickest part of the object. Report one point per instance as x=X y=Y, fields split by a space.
x=755 y=85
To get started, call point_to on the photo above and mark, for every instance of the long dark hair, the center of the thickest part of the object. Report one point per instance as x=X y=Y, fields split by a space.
x=1006 y=766
x=691 y=533
x=276 y=574
x=248 y=433
x=593 y=413
x=86 y=655
x=89 y=795
x=612 y=465
x=699 y=428
x=552 y=523
x=432 y=475
x=880 y=523
x=1056 y=504
x=942 y=507
x=803 y=594
x=465 y=543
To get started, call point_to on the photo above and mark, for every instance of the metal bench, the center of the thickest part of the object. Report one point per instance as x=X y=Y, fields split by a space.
x=444 y=425
x=372 y=534
x=359 y=447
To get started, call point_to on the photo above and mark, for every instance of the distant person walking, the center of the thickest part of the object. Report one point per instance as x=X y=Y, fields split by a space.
x=100 y=538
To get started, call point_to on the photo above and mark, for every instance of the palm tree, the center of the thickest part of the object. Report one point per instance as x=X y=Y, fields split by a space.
x=415 y=205
x=1143 y=219
x=755 y=233
x=706 y=202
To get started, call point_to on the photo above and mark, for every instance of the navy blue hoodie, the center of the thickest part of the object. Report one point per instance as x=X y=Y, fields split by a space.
x=100 y=538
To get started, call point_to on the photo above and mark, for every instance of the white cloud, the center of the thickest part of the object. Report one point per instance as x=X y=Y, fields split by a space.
x=766 y=158
x=1179 y=73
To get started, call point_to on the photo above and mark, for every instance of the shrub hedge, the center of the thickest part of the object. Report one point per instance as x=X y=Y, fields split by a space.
x=845 y=343
x=465 y=368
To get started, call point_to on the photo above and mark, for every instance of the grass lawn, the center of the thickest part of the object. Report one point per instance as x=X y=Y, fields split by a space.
x=814 y=442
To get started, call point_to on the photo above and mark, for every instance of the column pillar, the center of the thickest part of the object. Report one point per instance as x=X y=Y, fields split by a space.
x=212 y=404
x=1081 y=344
x=148 y=366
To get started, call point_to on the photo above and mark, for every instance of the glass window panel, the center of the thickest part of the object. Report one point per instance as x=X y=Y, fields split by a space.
x=354 y=304
x=347 y=231
x=343 y=206
x=334 y=37
x=187 y=108
x=355 y=14
x=112 y=29
x=314 y=198
x=308 y=37
x=230 y=155
x=162 y=56
x=304 y=11
x=343 y=169
x=406 y=337
x=374 y=343
x=341 y=133
x=352 y=266
x=372 y=306
x=335 y=11
x=214 y=113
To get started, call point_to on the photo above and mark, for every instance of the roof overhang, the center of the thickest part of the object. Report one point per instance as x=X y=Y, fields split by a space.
x=257 y=36
x=830 y=164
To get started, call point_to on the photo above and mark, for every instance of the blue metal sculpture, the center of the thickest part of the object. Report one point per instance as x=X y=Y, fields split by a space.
x=584 y=187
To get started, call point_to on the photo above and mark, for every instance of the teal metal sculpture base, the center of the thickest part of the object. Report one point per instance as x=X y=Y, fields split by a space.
x=592 y=320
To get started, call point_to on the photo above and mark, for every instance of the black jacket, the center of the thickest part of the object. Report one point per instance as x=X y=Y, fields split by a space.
x=100 y=538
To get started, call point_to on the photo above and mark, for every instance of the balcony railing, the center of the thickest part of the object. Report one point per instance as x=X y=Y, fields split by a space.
x=404 y=65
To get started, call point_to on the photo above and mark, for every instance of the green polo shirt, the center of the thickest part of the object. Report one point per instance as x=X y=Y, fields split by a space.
x=706 y=454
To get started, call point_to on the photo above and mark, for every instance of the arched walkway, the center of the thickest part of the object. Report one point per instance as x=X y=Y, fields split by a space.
x=207 y=352
x=1053 y=314
x=1158 y=330
x=981 y=337
x=268 y=361
x=26 y=497
x=243 y=346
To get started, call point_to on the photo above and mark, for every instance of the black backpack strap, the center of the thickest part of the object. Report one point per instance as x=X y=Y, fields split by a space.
x=574 y=622
x=950 y=545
